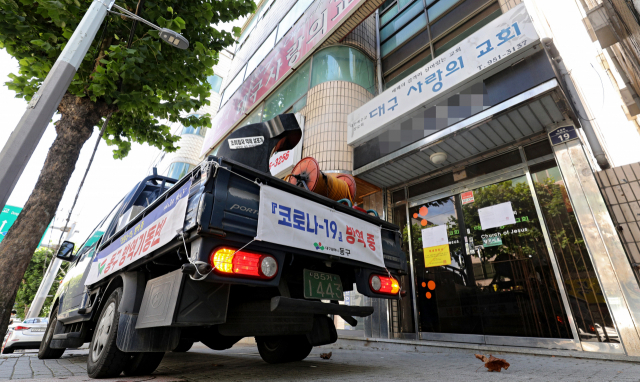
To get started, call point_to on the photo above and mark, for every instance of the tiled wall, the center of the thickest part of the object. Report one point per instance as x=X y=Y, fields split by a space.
x=325 y=135
x=364 y=37
x=621 y=190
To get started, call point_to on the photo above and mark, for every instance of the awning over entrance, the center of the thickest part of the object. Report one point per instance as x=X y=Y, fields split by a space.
x=517 y=119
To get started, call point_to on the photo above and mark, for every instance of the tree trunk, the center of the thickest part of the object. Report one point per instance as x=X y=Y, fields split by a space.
x=78 y=117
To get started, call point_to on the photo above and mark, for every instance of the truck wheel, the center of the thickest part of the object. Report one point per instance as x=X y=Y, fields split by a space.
x=105 y=359
x=300 y=349
x=45 y=351
x=183 y=346
x=283 y=348
x=143 y=364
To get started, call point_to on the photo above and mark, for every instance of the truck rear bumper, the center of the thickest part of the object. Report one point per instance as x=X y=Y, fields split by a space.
x=291 y=305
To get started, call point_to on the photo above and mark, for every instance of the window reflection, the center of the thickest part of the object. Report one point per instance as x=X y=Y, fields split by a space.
x=500 y=280
x=585 y=295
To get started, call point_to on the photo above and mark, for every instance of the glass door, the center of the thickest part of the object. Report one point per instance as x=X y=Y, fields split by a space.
x=516 y=285
x=446 y=295
x=500 y=281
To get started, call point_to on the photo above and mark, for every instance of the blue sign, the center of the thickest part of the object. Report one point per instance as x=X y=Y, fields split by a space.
x=563 y=134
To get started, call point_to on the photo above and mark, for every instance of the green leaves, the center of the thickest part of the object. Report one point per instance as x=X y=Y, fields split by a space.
x=148 y=80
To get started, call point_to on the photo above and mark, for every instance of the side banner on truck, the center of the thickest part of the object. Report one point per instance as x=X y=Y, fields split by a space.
x=155 y=230
x=300 y=223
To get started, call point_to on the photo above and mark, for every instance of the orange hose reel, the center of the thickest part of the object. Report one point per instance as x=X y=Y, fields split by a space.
x=335 y=186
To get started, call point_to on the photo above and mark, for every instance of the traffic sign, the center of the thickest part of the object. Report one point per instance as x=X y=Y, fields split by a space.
x=8 y=217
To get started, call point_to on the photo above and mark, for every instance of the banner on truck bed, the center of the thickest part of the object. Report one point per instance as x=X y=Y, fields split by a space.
x=300 y=223
x=153 y=231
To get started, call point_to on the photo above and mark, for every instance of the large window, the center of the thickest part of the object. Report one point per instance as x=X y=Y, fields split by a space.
x=262 y=52
x=410 y=29
x=292 y=90
x=342 y=63
x=267 y=46
x=216 y=82
x=292 y=16
x=178 y=169
x=233 y=85
x=194 y=130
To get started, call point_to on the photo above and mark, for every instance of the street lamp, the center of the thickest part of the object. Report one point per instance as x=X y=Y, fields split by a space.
x=25 y=137
x=167 y=35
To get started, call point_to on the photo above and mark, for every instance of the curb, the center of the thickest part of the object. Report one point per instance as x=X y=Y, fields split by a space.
x=381 y=344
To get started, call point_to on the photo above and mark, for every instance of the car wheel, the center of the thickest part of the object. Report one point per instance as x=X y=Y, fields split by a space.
x=105 y=359
x=45 y=351
x=283 y=348
x=143 y=364
x=183 y=346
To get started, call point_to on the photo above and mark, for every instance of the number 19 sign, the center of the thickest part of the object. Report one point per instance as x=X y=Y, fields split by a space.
x=563 y=134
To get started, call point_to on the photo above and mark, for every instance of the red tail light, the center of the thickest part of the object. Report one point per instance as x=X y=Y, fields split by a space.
x=230 y=261
x=384 y=284
x=21 y=328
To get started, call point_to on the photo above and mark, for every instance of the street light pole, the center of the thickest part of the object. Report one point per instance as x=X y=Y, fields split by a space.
x=47 y=280
x=25 y=137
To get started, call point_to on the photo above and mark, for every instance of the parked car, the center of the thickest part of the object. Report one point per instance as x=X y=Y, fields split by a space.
x=25 y=335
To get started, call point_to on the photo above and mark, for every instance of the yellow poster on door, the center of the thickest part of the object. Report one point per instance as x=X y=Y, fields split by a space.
x=437 y=256
x=435 y=244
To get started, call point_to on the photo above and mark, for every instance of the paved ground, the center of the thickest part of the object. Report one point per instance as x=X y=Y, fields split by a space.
x=242 y=363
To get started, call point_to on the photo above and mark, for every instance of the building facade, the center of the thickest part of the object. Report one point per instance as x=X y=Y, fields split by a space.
x=181 y=161
x=468 y=118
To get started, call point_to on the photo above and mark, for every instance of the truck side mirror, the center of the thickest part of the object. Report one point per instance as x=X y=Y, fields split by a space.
x=65 y=252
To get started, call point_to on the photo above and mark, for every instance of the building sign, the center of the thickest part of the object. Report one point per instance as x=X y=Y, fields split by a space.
x=315 y=26
x=502 y=41
x=563 y=134
x=281 y=163
x=296 y=222
x=152 y=232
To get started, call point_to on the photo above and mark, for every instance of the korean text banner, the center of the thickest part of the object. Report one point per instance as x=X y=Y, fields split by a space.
x=155 y=230
x=503 y=39
x=300 y=223
x=313 y=28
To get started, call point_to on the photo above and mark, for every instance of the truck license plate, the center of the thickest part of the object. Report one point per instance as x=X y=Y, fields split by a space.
x=322 y=286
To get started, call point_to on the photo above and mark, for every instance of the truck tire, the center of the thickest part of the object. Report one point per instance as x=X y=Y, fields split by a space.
x=143 y=364
x=300 y=349
x=45 y=351
x=183 y=346
x=283 y=348
x=105 y=359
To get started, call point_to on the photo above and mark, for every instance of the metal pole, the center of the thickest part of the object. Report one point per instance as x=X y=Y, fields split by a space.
x=378 y=58
x=47 y=282
x=25 y=137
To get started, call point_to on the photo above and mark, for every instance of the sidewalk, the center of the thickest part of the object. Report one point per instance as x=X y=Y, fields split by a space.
x=366 y=363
